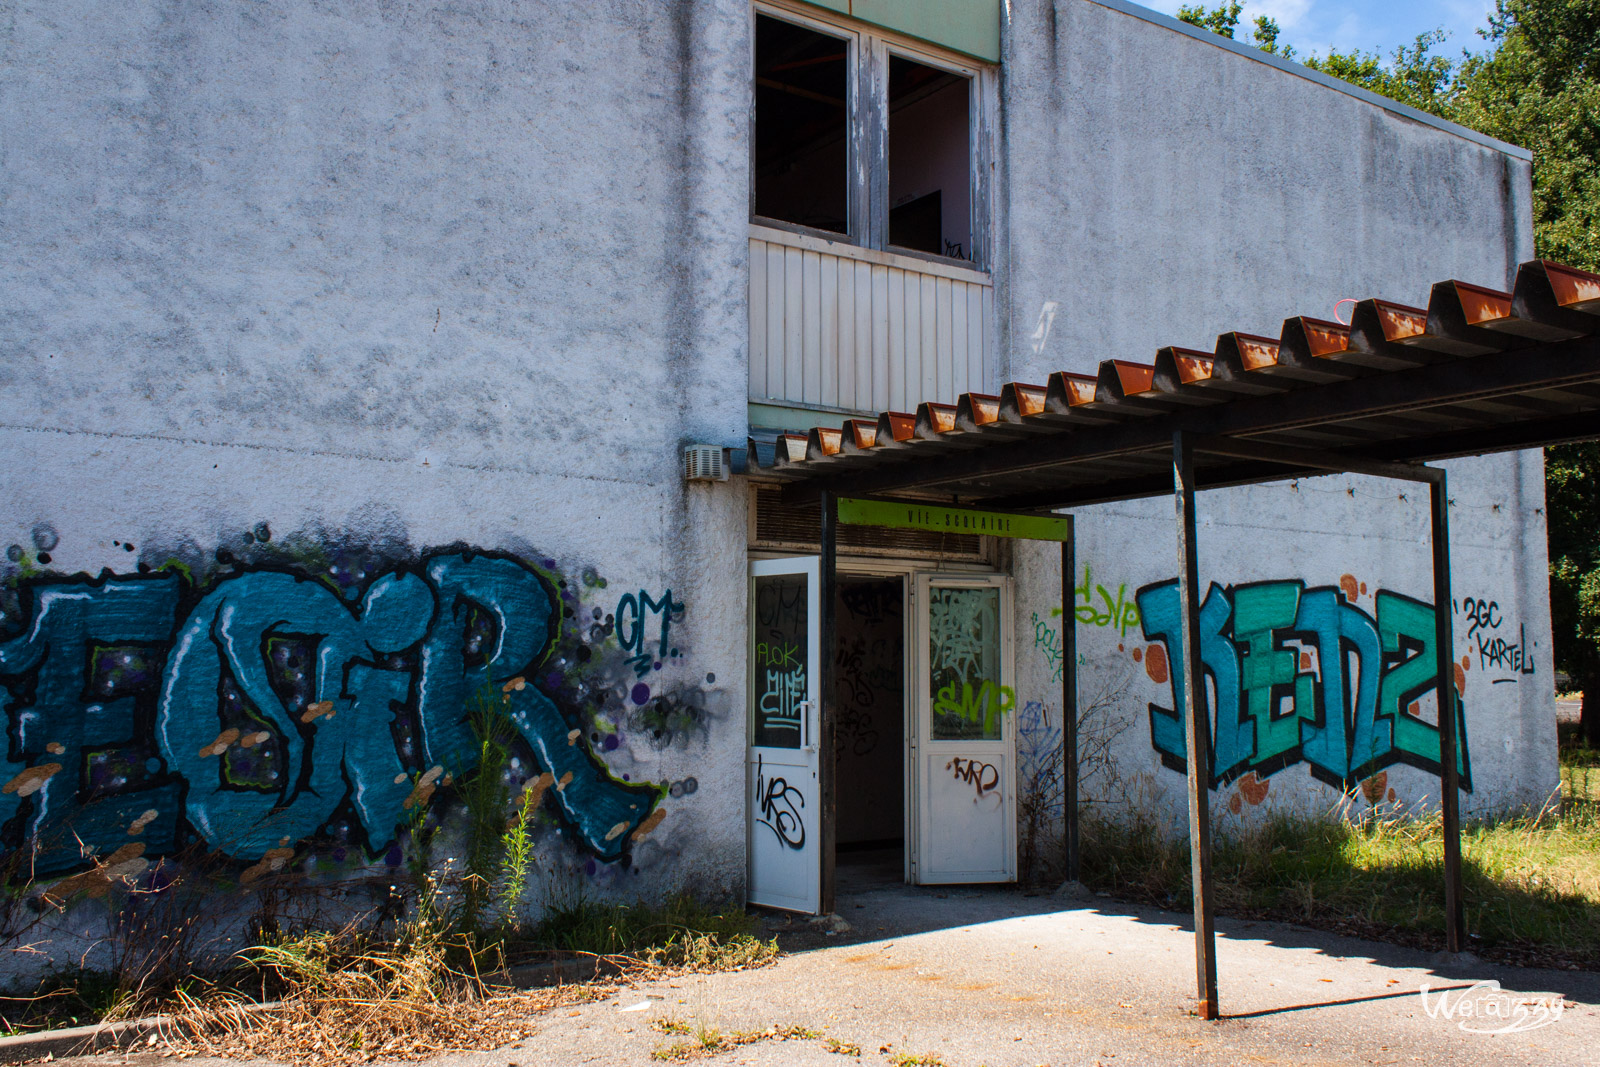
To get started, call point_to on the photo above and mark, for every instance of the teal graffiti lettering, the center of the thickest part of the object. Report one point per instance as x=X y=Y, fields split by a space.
x=1279 y=659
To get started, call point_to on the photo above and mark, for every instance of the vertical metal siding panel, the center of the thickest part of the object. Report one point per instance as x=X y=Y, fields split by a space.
x=777 y=329
x=756 y=298
x=811 y=333
x=897 y=339
x=877 y=321
x=828 y=293
x=793 y=323
x=849 y=374
x=869 y=352
x=958 y=339
x=929 y=349
x=911 y=333
x=977 y=369
x=947 y=374
x=991 y=372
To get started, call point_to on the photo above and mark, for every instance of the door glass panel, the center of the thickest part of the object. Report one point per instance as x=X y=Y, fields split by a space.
x=964 y=660
x=780 y=659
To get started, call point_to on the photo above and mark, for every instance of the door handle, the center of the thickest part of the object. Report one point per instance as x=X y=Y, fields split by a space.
x=806 y=744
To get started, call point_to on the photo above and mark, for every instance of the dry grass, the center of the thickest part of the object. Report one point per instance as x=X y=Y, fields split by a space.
x=702 y=1041
x=344 y=1001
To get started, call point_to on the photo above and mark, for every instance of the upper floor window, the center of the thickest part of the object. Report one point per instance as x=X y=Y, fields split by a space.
x=802 y=127
x=860 y=134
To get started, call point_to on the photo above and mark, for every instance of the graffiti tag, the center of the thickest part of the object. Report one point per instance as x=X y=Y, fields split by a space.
x=984 y=705
x=1117 y=611
x=779 y=805
x=983 y=777
x=633 y=613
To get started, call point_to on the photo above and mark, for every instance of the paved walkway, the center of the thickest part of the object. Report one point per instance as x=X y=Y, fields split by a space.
x=992 y=976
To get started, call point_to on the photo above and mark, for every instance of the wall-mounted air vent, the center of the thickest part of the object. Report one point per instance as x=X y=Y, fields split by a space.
x=704 y=463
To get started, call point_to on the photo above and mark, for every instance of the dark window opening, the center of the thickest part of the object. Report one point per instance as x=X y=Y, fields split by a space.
x=802 y=122
x=930 y=160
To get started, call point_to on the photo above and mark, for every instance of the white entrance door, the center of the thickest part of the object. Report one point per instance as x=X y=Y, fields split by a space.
x=784 y=795
x=964 y=756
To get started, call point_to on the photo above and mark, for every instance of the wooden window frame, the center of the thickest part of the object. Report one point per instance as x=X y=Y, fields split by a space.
x=869 y=49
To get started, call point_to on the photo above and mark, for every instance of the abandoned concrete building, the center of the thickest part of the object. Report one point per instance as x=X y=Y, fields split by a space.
x=361 y=359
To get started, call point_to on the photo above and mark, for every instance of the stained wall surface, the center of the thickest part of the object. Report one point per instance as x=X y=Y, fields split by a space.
x=1160 y=190
x=349 y=351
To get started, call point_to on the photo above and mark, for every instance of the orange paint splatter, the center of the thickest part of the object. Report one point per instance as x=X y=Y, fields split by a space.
x=1254 y=788
x=272 y=861
x=1415 y=709
x=1372 y=788
x=1234 y=804
x=1461 y=679
x=1363 y=588
x=1391 y=796
x=321 y=707
x=32 y=779
x=1305 y=661
x=1155 y=663
x=1349 y=587
x=126 y=862
x=651 y=821
x=1466 y=663
x=1138 y=654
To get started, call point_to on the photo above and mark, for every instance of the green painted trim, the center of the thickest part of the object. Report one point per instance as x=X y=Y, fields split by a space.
x=970 y=26
x=953 y=520
x=799 y=420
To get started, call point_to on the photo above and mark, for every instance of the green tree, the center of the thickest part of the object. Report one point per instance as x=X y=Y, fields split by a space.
x=1414 y=75
x=1224 y=20
x=1572 y=497
x=1540 y=87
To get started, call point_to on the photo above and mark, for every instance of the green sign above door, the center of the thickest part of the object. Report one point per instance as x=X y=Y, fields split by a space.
x=953 y=520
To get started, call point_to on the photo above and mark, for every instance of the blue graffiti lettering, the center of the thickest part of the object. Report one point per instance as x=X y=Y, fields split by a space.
x=274 y=702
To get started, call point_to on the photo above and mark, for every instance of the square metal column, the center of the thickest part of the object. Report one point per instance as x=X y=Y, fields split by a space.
x=1197 y=734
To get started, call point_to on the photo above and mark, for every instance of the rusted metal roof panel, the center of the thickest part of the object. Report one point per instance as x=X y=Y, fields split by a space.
x=1477 y=370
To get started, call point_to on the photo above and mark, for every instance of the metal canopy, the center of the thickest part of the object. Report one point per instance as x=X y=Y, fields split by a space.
x=1478 y=371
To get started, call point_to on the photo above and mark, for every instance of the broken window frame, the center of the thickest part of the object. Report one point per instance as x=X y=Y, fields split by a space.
x=869 y=49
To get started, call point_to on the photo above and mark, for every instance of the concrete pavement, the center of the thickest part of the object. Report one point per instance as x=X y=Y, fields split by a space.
x=993 y=976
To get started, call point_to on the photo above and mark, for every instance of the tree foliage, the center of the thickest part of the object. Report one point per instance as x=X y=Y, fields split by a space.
x=1537 y=84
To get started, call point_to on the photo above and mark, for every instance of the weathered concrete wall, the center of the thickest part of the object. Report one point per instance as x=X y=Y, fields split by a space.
x=376 y=297
x=1159 y=190
x=388 y=323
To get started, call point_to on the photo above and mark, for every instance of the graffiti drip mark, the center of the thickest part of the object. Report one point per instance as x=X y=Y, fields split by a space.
x=780 y=808
x=983 y=777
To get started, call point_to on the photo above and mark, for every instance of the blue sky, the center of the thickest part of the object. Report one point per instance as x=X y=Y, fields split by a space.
x=1316 y=26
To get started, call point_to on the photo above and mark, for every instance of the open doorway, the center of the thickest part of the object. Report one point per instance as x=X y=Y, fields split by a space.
x=869 y=734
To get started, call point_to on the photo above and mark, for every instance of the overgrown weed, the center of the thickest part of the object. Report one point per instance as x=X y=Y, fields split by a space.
x=706 y=1040
x=1532 y=881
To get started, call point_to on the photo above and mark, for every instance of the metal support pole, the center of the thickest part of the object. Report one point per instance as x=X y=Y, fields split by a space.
x=1196 y=722
x=1069 y=702
x=1455 y=919
x=826 y=762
